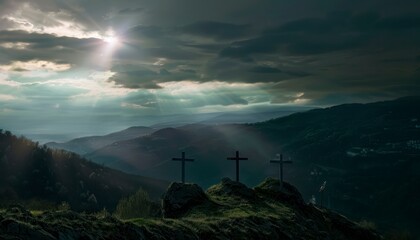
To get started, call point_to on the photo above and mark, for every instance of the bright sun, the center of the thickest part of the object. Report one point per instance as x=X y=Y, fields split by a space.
x=111 y=40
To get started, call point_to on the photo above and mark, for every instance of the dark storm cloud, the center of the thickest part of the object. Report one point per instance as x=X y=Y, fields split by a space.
x=152 y=42
x=305 y=46
x=49 y=41
x=265 y=69
x=141 y=31
x=336 y=31
x=149 y=79
x=138 y=79
x=272 y=70
x=131 y=10
x=217 y=30
x=207 y=47
x=222 y=99
x=244 y=49
x=230 y=70
x=47 y=47
x=303 y=36
x=172 y=53
x=211 y=98
x=399 y=22
x=360 y=54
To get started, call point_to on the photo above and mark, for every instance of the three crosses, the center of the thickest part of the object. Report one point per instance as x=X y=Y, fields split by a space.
x=279 y=160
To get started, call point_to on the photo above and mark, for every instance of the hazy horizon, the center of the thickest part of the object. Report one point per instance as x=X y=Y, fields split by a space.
x=60 y=133
x=79 y=68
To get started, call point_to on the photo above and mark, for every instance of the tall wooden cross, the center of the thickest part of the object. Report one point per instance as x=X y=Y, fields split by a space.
x=279 y=160
x=237 y=159
x=183 y=160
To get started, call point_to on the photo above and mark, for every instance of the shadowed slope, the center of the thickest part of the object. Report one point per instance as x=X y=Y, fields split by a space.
x=215 y=215
x=31 y=173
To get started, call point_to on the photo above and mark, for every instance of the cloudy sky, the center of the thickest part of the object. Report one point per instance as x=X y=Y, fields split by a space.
x=87 y=67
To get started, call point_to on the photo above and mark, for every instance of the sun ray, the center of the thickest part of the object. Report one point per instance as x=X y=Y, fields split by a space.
x=111 y=40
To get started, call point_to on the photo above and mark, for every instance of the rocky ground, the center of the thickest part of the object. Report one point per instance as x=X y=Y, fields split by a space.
x=228 y=210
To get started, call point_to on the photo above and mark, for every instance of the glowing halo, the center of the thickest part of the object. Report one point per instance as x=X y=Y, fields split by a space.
x=111 y=40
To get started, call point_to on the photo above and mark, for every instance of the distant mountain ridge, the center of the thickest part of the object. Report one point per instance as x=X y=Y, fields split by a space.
x=365 y=152
x=85 y=145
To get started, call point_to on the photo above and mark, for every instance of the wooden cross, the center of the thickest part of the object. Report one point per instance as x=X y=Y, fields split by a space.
x=237 y=158
x=183 y=160
x=279 y=160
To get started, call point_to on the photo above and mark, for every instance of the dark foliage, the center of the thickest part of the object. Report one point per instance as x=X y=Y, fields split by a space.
x=219 y=216
x=32 y=173
x=135 y=206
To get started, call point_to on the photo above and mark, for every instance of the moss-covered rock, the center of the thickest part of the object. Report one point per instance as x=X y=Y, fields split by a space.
x=232 y=188
x=181 y=197
x=271 y=187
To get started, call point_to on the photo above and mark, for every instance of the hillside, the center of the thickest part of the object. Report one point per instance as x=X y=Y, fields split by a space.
x=85 y=145
x=228 y=210
x=89 y=144
x=368 y=154
x=38 y=176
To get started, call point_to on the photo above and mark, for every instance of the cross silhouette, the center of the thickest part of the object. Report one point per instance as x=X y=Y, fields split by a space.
x=279 y=160
x=183 y=160
x=237 y=158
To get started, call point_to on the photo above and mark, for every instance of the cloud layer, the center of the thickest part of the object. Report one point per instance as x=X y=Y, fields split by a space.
x=230 y=55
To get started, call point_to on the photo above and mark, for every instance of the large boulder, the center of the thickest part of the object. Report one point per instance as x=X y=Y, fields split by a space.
x=287 y=193
x=180 y=198
x=233 y=189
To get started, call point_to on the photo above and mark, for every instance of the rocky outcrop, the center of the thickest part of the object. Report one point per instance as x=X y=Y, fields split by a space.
x=271 y=187
x=229 y=210
x=180 y=197
x=233 y=189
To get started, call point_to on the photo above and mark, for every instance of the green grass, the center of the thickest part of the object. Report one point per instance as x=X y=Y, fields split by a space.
x=224 y=216
x=36 y=212
x=218 y=213
x=233 y=207
x=33 y=212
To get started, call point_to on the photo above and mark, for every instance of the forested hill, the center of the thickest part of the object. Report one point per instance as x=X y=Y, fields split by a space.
x=368 y=154
x=381 y=127
x=37 y=175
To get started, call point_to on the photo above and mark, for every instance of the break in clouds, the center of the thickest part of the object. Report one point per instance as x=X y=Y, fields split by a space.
x=74 y=62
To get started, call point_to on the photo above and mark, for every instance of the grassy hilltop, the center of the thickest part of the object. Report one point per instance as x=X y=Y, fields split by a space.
x=228 y=210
